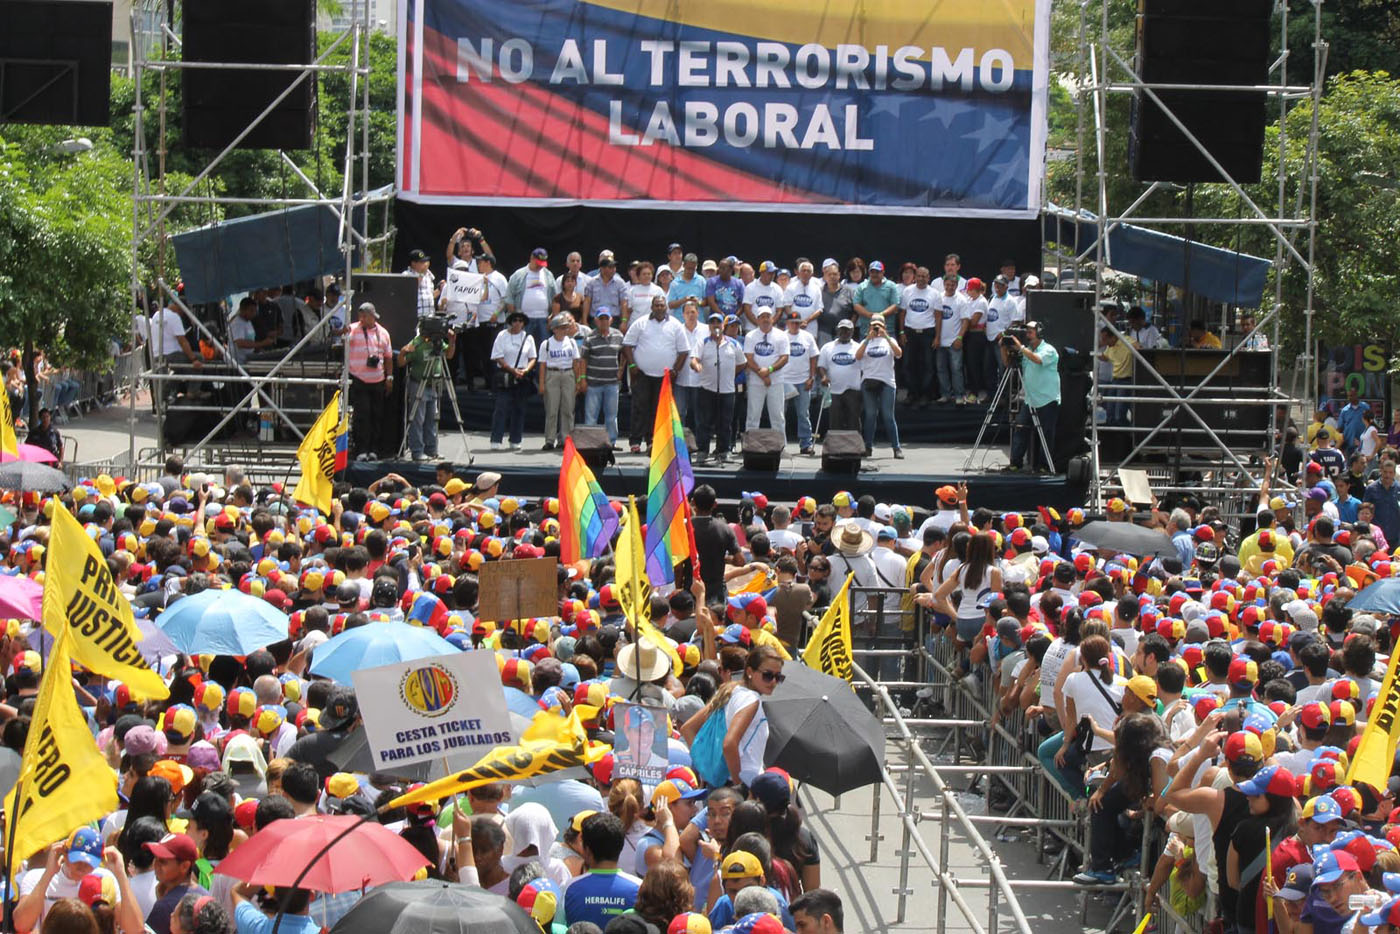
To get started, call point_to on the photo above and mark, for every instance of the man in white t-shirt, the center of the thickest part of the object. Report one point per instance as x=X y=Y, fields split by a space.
x=531 y=290
x=804 y=295
x=560 y=375
x=921 y=303
x=840 y=373
x=652 y=346
x=66 y=866
x=767 y=351
x=761 y=293
x=801 y=375
x=952 y=324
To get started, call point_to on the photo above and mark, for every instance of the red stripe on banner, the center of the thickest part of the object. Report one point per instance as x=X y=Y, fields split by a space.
x=504 y=140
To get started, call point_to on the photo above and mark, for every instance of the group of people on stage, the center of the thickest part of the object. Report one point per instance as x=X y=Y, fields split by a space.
x=747 y=346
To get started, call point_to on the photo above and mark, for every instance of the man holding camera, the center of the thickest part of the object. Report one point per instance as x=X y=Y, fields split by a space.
x=426 y=358
x=371 y=361
x=1040 y=381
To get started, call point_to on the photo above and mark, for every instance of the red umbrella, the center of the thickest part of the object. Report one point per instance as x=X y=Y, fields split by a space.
x=31 y=452
x=348 y=852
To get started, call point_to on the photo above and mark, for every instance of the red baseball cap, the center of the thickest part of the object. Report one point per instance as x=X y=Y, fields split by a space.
x=174 y=846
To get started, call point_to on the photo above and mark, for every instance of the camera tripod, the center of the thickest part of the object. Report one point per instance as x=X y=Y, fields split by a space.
x=1009 y=388
x=443 y=384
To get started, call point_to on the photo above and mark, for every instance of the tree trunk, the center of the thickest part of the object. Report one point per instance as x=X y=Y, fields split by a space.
x=31 y=379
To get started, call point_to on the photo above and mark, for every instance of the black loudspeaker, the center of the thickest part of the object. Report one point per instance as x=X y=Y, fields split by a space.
x=842 y=452
x=1066 y=319
x=55 y=62
x=763 y=449
x=220 y=102
x=1194 y=43
x=395 y=297
x=593 y=446
x=1243 y=424
x=1070 y=437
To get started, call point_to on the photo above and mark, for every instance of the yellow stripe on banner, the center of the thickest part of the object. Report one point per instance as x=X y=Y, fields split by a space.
x=948 y=24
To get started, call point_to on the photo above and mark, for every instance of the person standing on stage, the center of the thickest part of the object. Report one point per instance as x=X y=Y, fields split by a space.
x=804 y=295
x=1040 y=379
x=952 y=324
x=800 y=374
x=1003 y=310
x=766 y=349
x=418 y=266
x=650 y=347
x=605 y=290
x=920 y=303
x=975 y=343
x=560 y=378
x=877 y=354
x=531 y=289
x=514 y=356
x=602 y=351
x=370 y=353
x=721 y=357
x=840 y=374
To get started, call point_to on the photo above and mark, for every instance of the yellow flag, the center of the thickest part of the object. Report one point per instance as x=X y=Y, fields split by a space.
x=551 y=743
x=633 y=588
x=8 y=442
x=81 y=598
x=1374 y=756
x=64 y=782
x=321 y=454
x=829 y=649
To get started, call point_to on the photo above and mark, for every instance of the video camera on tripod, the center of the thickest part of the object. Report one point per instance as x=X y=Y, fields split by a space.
x=1016 y=332
x=435 y=327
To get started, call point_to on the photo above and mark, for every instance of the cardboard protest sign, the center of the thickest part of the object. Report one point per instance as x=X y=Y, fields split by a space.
x=518 y=589
x=447 y=707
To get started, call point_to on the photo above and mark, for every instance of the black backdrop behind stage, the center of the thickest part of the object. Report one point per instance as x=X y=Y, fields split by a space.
x=635 y=233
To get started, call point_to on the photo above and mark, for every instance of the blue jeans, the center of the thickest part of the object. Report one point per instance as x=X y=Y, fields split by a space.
x=1024 y=431
x=1117 y=412
x=423 y=420
x=918 y=364
x=803 y=402
x=509 y=415
x=538 y=328
x=685 y=404
x=1046 y=755
x=714 y=416
x=879 y=401
x=950 y=371
x=601 y=399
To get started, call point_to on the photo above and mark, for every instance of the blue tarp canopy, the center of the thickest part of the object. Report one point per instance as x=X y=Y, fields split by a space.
x=247 y=253
x=1217 y=274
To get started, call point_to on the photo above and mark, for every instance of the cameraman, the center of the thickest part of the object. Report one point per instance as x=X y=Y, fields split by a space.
x=370 y=357
x=426 y=358
x=1040 y=381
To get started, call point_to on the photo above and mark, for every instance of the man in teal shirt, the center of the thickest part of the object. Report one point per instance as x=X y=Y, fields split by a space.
x=1040 y=380
x=878 y=296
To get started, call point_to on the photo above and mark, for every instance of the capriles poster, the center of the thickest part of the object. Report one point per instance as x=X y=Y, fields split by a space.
x=893 y=107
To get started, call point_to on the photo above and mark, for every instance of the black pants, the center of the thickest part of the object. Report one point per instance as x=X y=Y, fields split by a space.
x=645 y=389
x=1024 y=438
x=369 y=404
x=845 y=410
x=1109 y=842
x=474 y=354
x=714 y=417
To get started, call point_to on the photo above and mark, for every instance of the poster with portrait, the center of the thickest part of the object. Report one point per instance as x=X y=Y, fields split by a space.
x=640 y=744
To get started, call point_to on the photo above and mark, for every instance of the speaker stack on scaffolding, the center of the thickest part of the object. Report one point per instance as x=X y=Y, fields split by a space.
x=55 y=62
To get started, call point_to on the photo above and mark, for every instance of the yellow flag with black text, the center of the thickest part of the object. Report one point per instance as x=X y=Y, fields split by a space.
x=82 y=599
x=829 y=649
x=1376 y=754
x=321 y=453
x=634 y=588
x=8 y=442
x=64 y=782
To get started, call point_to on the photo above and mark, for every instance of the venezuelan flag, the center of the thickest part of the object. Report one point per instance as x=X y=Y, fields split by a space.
x=587 y=521
x=669 y=537
x=342 y=442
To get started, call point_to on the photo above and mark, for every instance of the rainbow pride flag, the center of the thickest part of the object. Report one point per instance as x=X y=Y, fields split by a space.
x=586 y=518
x=669 y=537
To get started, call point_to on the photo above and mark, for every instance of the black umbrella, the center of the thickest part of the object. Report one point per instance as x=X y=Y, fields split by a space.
x=433 y=907
x=32 y=477
x=821 y=733
x=1136 y=540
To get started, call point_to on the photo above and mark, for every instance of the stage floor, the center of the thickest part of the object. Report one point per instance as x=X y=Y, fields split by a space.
x=911 y=481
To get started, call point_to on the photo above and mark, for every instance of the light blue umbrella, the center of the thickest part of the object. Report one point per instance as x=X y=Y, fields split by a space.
x=222 y=622
x=375 y=644
x=1382 y=596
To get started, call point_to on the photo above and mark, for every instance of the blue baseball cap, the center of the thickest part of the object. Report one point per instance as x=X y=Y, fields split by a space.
x=1297 y=883
x=1331 y=865
x=1389 y=913
x=85 y=846
x=602 y=310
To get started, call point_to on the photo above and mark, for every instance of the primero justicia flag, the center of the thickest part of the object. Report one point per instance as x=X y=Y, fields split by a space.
x=323 y=451
x=829 y=649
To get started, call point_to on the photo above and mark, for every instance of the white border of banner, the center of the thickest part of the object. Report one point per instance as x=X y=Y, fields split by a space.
x=1035 y=163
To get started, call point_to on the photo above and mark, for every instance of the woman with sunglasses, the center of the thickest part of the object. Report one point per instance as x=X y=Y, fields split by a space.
x=746 y=725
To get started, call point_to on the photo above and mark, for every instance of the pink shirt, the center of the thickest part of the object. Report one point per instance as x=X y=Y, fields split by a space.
x=362 y=345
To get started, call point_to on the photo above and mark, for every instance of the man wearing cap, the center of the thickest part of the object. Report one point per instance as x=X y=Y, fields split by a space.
x=720 y=357
x=605 y=290
x=652 y=346
x=762 y=293
x=370 y=356
x=1003 y=310
x=602 y=368
x=1040 y=380
x=723 y=292
x=175 y=856
x=531 y=289
x=687 y=284
x=839 y=369
x=800 y=376
x=804 y=296
x=514 y=356
x=418 y=266
x=561 y=379
x=766 y=350
x=877 y=296
x=675 y=262
x=919 y=302
x=426 y=361
x=67 y=863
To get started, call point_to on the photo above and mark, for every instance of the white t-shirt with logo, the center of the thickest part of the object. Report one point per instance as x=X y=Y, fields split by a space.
x=918 y=304
x=757 y=295
x=534 y=300
x=639 y=298
x=1001 y=314
x=839 y=362
x=878 y=362
x=560 y=355
x=805 y=299
x=952 y=310
x=766 y=348
x=802 y=350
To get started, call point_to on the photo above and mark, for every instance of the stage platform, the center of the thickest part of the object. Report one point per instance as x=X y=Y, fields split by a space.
x=534 y=473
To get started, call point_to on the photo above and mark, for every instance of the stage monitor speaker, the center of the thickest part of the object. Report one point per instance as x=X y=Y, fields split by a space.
x=220 y=102
x=1066 y=319
x=55 y=62
x=395 y=297
x=763 y=449
x=1190 y=43
x=842 y=452
x=593 y=446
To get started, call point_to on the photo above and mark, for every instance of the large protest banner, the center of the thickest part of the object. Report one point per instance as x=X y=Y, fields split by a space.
x=895 y=107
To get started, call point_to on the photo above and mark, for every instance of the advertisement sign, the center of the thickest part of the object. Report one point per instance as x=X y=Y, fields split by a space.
x=891 y=107
x=434 y=709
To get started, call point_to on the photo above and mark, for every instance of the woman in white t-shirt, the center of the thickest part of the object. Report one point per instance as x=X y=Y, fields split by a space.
x=640 y=294
x=877 y=354
x=977 y=578
x=1370 y=440
x=1092 y=691
x=746 y=725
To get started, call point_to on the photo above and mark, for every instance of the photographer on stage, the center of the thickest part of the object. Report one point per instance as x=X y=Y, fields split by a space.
x=426 y=358
x=370 y=355
x=1040 y=381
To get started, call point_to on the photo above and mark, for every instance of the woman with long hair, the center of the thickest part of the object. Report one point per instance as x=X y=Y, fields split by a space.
x=1136 y=776
x=625 y=803
x=1093 y=694
x=746 y=725
x=978 y=576
x=151 y=796
x=792 y=840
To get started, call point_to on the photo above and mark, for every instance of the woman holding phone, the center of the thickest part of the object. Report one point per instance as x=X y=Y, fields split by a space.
x=877 y=354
